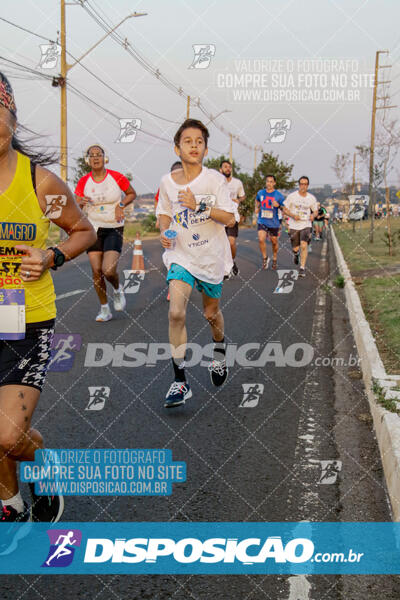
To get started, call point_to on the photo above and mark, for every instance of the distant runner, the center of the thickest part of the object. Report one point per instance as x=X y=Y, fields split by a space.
x=100 y=191
x=302 y=208
x=268 y=203
x=320 y=221
x=236 y=191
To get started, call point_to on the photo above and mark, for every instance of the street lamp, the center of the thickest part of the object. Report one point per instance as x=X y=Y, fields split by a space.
x=61 y=82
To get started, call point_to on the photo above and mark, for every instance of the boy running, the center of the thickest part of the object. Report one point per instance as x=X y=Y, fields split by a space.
x=194 y=203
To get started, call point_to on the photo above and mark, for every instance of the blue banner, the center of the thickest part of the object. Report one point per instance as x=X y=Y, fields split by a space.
x=200 y=548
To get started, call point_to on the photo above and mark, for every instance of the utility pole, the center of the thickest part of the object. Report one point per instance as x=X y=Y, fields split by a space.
x=372 y=146
x=353 y=185
x=61 y=82
x=188 y=107
x=230 y=148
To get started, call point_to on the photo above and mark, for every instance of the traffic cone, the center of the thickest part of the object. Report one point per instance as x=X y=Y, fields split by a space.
x=137 y=258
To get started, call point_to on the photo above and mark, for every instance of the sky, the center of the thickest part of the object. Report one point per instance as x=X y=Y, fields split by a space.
x=306 y=64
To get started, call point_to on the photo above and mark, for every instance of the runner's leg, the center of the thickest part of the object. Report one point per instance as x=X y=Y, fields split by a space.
x=109 y=267
x=96 y=259
x=275 y=246
x=17 y=440
x=303 y=253
x=179 y=296
x=214 y=316
x=262 y=240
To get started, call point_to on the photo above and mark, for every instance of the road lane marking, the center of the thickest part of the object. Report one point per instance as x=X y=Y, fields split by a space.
x=68 y=294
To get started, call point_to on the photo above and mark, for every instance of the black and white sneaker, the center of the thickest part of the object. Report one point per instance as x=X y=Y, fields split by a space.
x=296 y=258
x=218 y=372
x=235 y=269
x=46 y=509
x=177 y=394
x=302 y=272
x=265 y=264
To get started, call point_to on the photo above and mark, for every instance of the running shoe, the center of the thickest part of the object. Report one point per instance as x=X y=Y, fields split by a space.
x=177 y=394
x=265 y=264
x=274 y=265
x=104 y=315
x=14 y=532
x=218 y=372
x=119 y=300
x=235 y=269
x=302 y=272
x=46 y=509
x=296 y=258
x=11 y=515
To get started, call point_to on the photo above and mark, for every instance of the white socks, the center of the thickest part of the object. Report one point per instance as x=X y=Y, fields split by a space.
x=16 y=502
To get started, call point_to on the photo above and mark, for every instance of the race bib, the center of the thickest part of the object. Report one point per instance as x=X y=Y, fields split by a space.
x=12 y=314
x=267 y=214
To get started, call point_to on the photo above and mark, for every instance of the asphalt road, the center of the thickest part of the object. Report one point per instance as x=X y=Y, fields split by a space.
x=259 y=463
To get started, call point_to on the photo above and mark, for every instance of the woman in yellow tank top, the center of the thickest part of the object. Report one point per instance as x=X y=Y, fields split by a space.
x=30 y=196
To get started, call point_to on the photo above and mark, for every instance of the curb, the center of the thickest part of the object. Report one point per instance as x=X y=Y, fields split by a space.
x=386 y=423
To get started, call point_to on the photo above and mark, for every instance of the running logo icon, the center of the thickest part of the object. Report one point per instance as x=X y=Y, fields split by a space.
x=287 y=278
x=54 y=206
x=203 y=54
x=128 y=130
x=181 y=218
x=98 y=397
x=50 y=54
x=330 y=469
x=63 y=351
x=252 y=393
x=278 y=130
x=132 y=282
x=63 y=543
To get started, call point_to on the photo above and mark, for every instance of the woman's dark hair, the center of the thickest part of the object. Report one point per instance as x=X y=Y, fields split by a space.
x=196 y=125
x=26 y=146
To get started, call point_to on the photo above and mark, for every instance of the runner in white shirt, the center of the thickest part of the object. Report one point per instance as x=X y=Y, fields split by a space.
x=236 y=191
x=100 y=192
x=302 y=208
x=194 y=202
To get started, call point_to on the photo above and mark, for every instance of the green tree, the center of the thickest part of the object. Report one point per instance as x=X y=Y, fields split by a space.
x=245 y=178
x=81 y=168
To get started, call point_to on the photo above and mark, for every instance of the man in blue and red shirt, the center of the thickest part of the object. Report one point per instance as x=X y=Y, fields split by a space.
x=268 y=203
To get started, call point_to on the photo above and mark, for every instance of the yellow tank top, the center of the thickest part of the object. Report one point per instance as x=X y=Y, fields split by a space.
x=22 y=222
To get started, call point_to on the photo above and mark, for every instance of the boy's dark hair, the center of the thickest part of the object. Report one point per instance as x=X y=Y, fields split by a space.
x=270 y=175
x=196 y=125
x=304 y=177
x=224 y=161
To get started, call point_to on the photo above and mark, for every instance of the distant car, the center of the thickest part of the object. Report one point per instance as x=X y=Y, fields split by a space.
x=356 y=213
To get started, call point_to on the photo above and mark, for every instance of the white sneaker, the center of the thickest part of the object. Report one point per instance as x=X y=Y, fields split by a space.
x=119 y=300
x=104 y=315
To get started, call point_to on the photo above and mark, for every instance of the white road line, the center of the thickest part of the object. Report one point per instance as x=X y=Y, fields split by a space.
x=299 y=588
x=68 y=294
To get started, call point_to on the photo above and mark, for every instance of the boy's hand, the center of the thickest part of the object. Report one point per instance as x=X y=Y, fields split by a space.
x=165 y=242
x=187 y=199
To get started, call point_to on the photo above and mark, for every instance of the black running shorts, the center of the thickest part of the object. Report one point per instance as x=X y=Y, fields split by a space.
x=25 y=362
x=232 y=231
x=108 y=238
x=299 y=235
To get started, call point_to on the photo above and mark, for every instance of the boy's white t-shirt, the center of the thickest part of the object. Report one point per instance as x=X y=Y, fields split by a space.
x=301 y=206
x=202 y=246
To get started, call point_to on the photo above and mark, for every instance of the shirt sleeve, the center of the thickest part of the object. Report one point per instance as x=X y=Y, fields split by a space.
x=223 y=200
x=164 y=204
x=80 y=186
x=121 y=180
x=240 y=190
